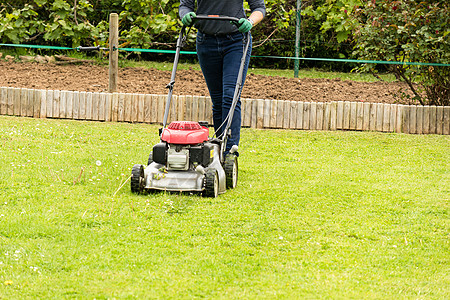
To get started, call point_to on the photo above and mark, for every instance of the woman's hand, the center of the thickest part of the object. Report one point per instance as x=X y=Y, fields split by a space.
x=245 y=25
x=189 y=19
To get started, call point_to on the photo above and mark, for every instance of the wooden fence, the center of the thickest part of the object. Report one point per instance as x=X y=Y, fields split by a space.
x=256 y=113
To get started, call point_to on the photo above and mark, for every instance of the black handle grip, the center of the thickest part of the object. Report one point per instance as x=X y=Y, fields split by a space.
x=234 y=20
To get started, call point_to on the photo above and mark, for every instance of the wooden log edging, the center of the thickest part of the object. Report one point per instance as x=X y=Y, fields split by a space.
x=256 y=113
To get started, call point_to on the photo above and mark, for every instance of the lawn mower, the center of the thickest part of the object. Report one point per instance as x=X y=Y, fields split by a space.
x=187 y=159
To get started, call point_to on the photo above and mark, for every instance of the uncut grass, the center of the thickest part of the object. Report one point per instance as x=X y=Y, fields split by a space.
x=315 y=214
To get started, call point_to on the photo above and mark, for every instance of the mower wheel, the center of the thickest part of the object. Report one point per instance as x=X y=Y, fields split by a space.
x=137 y=179
x=231 y=171
x=150 y=158
x=211 y=184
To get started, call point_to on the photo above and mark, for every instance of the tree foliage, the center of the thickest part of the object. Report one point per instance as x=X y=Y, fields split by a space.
x=335 y=16
x=154 y=24
x=76 y=22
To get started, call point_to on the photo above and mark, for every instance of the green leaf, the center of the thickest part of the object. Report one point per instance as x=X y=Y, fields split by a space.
x=342 y=36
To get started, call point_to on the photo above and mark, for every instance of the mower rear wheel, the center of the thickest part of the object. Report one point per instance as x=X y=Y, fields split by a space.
x=211 y=184
x=137 y=179
x=150 y=158
x=231 y=171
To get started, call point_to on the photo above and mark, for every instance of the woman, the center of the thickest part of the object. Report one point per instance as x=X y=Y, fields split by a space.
x=220 y=46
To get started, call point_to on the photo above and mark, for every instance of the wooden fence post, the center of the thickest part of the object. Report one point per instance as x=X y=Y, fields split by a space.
x=273 y=114
x=386 y=117
x=280 y=113
x=121 y=108
x=326 y=115
x=340 y=115
x=346 y=116
x=446 y=120
x=439 y=121
x=147 y=107
x=16 y=107
x=299 y=117
x=267 y=110
x=433 y=119
x=113 y=52
x=260 y=113
x=23 y=102
x=353 y=115
x=405 y=116
x=43 y=100
x=412 y=119
x=62 y=104
x=201 y=108
x=76 y=105
x=3 y=100
x=320 y=114
x=393 y=117
x=89 y=106
x=306 y=113
x=286 y=114
x=333 y=116
x=426 y=119
x=208 y=110
x=313 y=116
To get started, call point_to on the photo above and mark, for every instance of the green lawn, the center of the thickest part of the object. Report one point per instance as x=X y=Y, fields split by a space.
x=315 y=215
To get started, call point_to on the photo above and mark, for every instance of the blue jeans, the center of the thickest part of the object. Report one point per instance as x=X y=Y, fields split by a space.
x=220 y=59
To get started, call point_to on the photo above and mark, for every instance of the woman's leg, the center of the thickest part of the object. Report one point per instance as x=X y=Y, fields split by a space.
x=233 y=52
x=211 y=62
x=220 y=60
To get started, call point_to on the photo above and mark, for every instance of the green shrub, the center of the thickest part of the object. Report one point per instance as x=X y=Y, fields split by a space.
x=409 y=31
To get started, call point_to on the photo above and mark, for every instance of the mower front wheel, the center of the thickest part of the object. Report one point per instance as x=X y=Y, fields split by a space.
x=137 y=179
x=211 y=184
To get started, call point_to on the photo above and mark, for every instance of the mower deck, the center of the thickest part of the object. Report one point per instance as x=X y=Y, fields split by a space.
x=158 y=177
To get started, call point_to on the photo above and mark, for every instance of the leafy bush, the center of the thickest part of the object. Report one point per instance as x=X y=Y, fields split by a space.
x=409 y=31
x=402 y=30
x=43 y=20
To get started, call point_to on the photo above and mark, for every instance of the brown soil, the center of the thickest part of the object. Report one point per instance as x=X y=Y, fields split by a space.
x=94 y=78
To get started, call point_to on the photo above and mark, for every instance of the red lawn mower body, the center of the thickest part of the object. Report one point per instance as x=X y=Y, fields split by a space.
x=185 y=133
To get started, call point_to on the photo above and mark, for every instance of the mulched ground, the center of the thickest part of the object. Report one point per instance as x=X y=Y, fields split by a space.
x=94 y=78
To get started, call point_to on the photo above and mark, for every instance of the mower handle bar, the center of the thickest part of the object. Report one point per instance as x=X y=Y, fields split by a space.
x=233 y=20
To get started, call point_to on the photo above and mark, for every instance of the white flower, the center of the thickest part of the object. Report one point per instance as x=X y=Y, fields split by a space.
x=98 y=163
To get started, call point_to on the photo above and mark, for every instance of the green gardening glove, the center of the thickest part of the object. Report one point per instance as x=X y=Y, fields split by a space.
x=188 y=19
x=245 y=25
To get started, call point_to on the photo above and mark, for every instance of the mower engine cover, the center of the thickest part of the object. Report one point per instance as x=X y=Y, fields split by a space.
x=185 y=133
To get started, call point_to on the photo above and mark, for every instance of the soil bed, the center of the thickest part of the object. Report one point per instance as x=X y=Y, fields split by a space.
x=94 y=78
